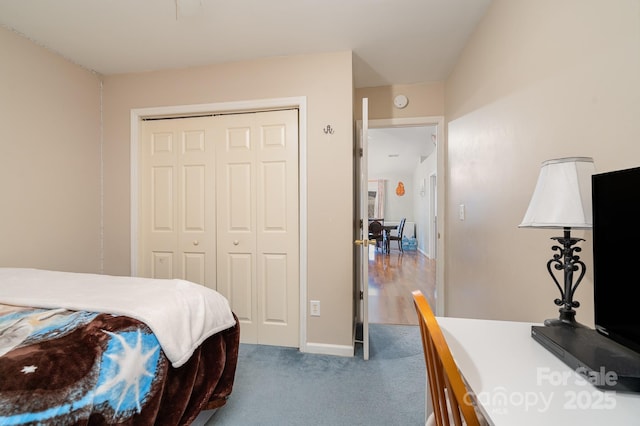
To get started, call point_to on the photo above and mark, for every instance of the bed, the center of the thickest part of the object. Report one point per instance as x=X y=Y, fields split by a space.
x=88 y=349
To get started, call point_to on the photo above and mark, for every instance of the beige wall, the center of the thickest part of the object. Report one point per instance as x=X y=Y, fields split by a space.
x=326 y=81
x=49 y=160
x=539 y=79
x=425 y=100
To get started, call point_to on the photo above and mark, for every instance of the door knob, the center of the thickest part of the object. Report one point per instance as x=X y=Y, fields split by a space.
x=196 y=242
x=236 y=242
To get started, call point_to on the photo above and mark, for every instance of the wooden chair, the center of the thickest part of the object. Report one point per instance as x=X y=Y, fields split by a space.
x=398 y=237
x=451 y=401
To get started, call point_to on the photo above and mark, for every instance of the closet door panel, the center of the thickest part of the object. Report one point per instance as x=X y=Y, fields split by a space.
x=277 y=226
x=177 y=203
x=236 y=246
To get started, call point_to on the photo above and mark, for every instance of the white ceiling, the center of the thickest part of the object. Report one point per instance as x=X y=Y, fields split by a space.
x=399 y=150
x=394 y=41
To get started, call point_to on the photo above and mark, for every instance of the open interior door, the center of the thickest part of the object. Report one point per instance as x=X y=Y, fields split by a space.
x=362 y=256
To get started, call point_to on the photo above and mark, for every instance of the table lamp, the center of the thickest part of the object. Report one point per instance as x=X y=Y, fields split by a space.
x=562 y=200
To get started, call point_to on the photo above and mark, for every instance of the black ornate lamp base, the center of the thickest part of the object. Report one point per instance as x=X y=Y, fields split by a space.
x=565 y=320
x=566 y=260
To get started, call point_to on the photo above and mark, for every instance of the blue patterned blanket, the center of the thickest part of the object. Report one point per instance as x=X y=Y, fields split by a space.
x=76 y=367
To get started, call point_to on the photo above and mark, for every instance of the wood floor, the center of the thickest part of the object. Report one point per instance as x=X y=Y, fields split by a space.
x=392 y=278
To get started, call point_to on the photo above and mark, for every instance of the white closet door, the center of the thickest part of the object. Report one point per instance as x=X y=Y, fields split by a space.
x=257 y=227
x=177 y=212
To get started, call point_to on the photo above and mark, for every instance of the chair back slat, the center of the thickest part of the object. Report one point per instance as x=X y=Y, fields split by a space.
x=401 y=227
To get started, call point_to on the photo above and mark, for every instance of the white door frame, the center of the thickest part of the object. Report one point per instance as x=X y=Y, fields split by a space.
x=228 y=107
x=441 y=149
x=433 y=225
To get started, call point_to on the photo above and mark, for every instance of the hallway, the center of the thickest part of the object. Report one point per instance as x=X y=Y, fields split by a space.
x=392 y=278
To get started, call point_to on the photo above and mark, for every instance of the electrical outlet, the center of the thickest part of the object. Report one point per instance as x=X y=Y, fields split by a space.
x=315 y=308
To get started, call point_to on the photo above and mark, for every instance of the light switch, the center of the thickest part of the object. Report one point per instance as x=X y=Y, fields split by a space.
x=461 y=212
x=315 y=308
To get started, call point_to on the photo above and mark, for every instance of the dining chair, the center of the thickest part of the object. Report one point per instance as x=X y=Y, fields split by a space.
x=452 y=402
x=375 y=232
x=398 y=237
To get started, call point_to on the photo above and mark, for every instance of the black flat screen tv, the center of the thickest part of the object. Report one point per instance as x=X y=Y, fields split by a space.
x=616 y=255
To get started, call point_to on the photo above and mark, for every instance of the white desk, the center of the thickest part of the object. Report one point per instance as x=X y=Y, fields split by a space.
x=519 y=382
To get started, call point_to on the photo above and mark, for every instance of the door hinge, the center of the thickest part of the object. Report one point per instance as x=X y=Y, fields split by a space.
x=361 y=295
x=361 y=152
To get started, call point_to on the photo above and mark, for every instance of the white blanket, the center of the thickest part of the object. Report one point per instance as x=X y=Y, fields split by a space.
x=180 y=313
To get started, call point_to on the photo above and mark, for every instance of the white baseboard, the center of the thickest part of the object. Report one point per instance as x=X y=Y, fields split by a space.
x=327 y=349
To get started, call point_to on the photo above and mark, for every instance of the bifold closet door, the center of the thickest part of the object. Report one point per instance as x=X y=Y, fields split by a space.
x=257 y=225
x=177 y=200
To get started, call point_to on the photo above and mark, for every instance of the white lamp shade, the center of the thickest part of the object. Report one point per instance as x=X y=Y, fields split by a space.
x=562 y=198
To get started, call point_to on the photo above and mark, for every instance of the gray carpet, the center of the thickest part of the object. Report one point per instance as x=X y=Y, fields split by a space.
x=281 y=386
